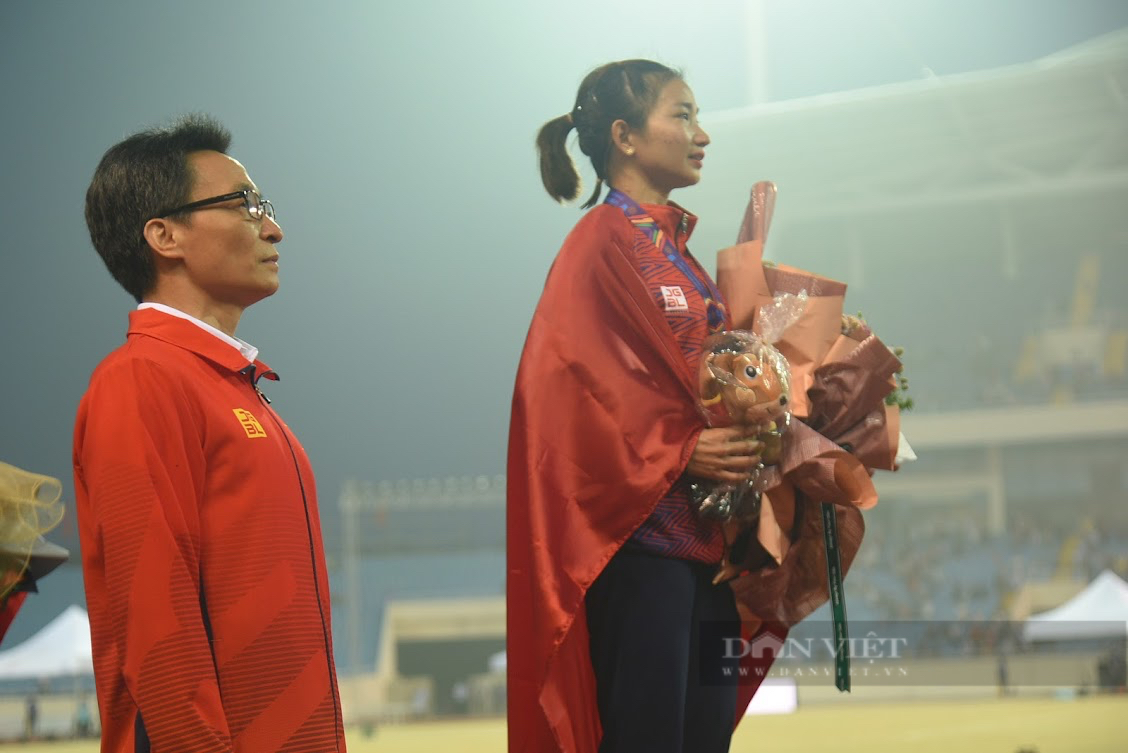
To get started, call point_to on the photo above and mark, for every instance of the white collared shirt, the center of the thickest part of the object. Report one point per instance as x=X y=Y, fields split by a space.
x=249 y=351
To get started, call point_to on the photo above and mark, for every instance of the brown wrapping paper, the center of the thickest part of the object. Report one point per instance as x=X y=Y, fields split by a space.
x=839 y=382
x=746 y=285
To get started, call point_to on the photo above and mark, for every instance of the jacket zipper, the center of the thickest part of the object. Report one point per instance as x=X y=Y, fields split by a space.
x=312 y=552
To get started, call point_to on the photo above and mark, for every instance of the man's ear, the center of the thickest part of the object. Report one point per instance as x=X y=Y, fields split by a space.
x=621 y=137
x=162 y=235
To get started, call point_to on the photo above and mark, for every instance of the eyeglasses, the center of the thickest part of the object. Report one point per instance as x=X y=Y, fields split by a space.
x=256 y=206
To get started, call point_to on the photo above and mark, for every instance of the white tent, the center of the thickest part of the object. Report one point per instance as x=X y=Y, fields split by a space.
x=60 y=649
x=1099 y=611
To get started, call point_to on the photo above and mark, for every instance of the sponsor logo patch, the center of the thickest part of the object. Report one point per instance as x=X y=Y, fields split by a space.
x=249 y=423
x=674 y=298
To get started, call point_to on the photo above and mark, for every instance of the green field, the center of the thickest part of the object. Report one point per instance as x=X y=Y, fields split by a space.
x=1086 y=725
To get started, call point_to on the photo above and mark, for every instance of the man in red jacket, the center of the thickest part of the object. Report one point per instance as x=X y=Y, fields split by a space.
x=201 y=542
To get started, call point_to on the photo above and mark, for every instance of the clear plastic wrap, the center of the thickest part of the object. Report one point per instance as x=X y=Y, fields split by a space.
x=745 y=381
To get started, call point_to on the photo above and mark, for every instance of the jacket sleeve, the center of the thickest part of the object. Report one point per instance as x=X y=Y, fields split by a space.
x=139 y=473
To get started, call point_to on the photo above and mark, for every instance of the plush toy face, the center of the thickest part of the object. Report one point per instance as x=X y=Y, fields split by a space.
x=748 y=376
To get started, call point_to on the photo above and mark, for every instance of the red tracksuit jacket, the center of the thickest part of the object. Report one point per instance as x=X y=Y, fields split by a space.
x=201 y=551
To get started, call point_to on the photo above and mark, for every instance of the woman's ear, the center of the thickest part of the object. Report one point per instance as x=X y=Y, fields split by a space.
x=621 y=137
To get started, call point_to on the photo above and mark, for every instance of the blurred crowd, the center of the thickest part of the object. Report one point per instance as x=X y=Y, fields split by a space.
x=943 y=569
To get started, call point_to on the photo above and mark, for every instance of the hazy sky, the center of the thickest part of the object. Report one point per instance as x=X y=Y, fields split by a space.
x=396 y=141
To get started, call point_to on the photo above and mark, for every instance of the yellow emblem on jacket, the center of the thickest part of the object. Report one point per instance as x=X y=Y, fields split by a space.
x=249 y=423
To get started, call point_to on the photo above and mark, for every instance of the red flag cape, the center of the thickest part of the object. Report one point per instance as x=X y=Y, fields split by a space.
x=604 y=419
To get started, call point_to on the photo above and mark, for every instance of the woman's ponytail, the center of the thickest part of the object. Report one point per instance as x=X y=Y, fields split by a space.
x=558 y=171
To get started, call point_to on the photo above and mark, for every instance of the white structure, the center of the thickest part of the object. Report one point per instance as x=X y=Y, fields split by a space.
x=1051 y=131
x=60 y=649
x=1099 y=611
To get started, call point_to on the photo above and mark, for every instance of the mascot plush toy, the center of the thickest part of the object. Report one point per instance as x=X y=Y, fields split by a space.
x=745 y=382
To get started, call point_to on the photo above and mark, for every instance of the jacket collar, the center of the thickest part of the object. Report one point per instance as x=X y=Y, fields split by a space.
x=172 y=329
x=675 y=220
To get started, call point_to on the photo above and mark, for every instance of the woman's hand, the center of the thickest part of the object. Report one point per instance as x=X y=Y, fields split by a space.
x=725 y=454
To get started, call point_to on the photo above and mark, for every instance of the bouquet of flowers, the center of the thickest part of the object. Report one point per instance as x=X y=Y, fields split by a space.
x=810 y=525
